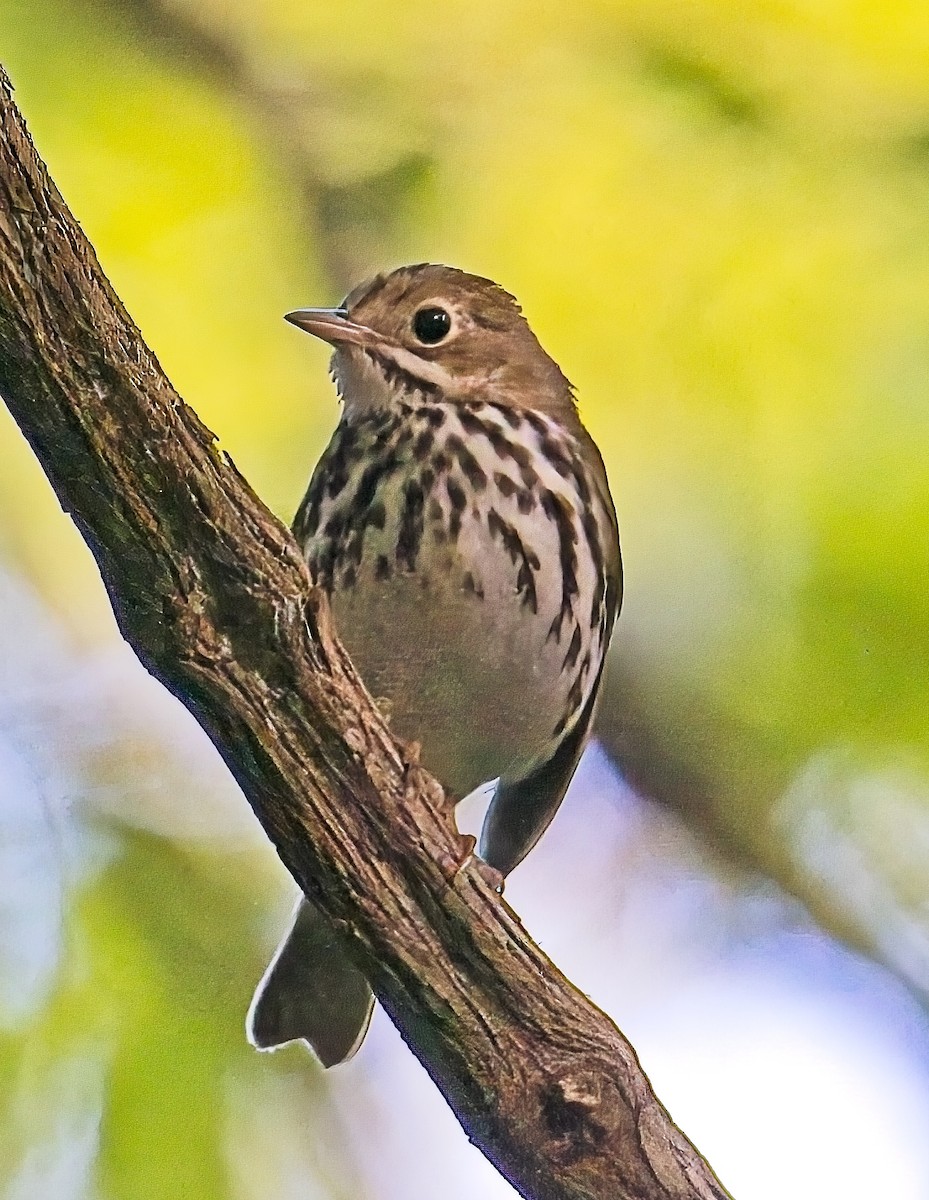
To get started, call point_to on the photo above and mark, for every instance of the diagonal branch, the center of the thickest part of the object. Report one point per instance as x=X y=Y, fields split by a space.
x=213 y=595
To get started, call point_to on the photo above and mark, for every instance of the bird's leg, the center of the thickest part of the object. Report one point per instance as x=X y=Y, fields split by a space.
x=453 y=864
x=491 y=876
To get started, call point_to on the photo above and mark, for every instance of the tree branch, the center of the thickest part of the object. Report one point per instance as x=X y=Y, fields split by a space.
x=212 y=593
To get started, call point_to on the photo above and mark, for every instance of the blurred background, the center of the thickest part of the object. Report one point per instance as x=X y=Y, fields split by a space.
x=716 y=216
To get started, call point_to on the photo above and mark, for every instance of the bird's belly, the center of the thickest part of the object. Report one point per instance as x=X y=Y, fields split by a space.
x=471 y=678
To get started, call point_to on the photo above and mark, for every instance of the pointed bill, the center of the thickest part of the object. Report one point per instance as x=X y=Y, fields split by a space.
x=333 y=326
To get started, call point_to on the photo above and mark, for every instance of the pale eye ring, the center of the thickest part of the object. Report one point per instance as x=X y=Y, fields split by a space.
x=431 y=324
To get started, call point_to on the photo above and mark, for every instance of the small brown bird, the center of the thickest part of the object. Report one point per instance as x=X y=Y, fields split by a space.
x=461 y=522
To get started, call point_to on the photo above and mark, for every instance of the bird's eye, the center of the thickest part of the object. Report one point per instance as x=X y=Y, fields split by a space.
x=431 y=325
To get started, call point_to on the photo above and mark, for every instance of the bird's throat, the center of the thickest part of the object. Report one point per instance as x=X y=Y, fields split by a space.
x=372 y=378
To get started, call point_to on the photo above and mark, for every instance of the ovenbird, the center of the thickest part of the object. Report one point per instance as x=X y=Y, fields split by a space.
x=461 y=523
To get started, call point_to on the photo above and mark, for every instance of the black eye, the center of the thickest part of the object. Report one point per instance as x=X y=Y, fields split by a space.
x=431 y=325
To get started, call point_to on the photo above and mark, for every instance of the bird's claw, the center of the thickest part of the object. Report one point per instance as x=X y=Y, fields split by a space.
x=452 y=867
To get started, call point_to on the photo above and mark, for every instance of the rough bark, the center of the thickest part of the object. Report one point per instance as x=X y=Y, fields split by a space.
x=212 y=593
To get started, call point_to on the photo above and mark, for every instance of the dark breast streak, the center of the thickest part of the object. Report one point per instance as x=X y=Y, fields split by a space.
x=395 y=490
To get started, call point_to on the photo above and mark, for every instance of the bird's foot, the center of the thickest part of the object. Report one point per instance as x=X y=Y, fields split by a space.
x=452 y=866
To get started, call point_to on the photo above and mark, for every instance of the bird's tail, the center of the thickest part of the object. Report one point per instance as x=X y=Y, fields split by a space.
x=311 y=991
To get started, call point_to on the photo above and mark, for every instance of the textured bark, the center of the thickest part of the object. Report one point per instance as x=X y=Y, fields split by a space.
x=212 y=593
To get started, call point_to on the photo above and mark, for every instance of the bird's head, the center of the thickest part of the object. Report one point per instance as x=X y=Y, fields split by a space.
x=434 y=332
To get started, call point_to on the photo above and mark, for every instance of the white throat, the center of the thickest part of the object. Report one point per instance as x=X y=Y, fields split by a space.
x=366 y=382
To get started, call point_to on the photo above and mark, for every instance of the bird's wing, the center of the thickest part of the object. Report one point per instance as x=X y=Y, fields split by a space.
x=522 y=809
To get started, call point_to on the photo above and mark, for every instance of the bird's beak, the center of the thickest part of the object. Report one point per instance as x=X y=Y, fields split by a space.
x=332 y=325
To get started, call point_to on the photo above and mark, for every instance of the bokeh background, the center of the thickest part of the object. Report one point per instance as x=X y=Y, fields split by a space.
x=716 y=215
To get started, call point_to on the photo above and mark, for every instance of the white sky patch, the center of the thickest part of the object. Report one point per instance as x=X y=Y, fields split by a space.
x=790 y=1089
x=283 y=1139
